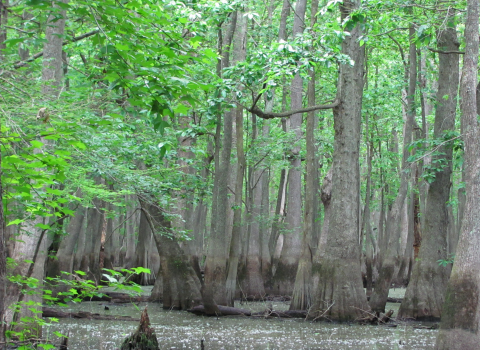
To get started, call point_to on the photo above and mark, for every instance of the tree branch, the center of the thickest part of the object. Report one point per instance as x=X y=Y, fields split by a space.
x=259 y=113
x=446 y=52
x=20 y=64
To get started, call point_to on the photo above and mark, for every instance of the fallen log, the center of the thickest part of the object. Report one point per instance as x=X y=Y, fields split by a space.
x=224 y=310
x=50 y=312
x=118 y=298
x=282 y=314
x=394 y=300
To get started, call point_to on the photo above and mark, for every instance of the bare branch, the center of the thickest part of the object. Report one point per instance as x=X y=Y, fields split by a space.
x=446 y=52
x=20 y=64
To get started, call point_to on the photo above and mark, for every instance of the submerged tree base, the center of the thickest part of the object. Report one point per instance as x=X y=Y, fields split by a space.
x=144 y=338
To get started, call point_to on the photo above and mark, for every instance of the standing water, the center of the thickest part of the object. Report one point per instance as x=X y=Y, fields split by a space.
x=183 y=330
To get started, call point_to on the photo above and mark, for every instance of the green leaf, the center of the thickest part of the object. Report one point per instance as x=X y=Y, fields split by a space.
x=140 y=269
x=11 y=42
x=43 y=226
x=15 y=222
x=36 y=144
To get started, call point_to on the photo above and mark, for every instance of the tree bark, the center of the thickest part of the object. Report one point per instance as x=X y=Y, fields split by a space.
x=216 y=261
x=459 y=328
x=340 y=295
x=283 y=280
x=393 y=229
x=425 y=293
x=181 y=286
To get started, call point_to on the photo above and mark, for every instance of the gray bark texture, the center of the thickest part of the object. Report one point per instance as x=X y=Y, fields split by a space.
x=339 y=294
x=460 y=326
x=425 y=293
x=391 y=256
x=283 y=280
x=216 y=261
x=52 y=71
x=302 y=291
x=181 y=286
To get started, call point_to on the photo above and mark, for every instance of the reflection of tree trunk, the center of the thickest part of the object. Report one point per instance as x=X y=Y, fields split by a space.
x=339 y=294
x=425 y=293
x=460 y=327
x=181 y=286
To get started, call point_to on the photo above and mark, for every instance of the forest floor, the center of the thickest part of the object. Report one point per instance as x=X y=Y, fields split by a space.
x=183 y=330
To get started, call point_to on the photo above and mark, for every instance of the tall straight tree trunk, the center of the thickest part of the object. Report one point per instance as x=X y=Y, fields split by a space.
x=3 y=28
x=340 y=295
x=283 y=280
x=425 y=293
x=390 y=257
x=276 y=241
x=239 y=50
x=253 y=286
x=302 y=292
x=31 y=235
x=216 y=261
x=130 y=230
x=460 y=326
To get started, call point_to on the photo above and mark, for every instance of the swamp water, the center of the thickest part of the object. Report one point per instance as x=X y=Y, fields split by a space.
x=182 y=330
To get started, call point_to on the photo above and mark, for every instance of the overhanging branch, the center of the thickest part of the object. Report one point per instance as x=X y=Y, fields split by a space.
x=259 y=113
x=447 y=52
x=20 y=64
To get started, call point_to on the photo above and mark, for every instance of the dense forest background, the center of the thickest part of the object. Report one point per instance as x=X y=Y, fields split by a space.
x=241 y=149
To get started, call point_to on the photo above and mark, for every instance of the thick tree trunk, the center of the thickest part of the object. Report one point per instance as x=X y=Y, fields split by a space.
x=460 y=324
x=425 y=293
x=32 y=242
x=252 y=279
x=216 y=261
x=65 y=253
x=93 y=234
x=340 y=295
x=130 y=230
x=181 y=286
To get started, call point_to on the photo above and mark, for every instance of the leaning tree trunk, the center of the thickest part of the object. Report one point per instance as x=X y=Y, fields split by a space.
x=181 y=286
x=340 y=295
x=460 y=326
x=425 y=293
